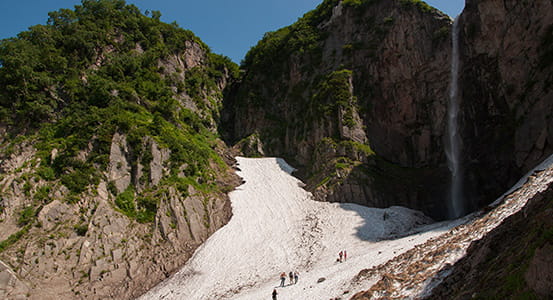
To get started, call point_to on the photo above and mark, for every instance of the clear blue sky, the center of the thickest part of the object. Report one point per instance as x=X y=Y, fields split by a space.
x=229 y=27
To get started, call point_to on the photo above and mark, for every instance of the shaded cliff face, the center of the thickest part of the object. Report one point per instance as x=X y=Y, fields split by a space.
x=355 y=95
x=507 y=97
x=513 y=261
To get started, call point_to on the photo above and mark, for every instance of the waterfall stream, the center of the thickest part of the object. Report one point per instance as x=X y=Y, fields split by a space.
x=453 y=142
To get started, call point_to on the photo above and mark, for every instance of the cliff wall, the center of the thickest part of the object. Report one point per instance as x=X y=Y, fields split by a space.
x=507 y=97
x=355 y=95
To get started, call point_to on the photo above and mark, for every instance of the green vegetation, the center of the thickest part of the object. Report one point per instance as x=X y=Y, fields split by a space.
x=143 y=207
x=12 y=239
x=353 y=3
x=503 y=271
x=335 y=169
x=81 y=229
x=303 y=37
x=147 y=208
x=42 y=195
x=357 y=147
x=125 y=202
x=334 y=93
x=26 y=216
x=101 y=53
x=421 y=5
x=357 y=3
x=97 y=70
x=388 y=20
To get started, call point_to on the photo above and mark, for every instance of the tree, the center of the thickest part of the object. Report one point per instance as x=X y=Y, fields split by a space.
x=156 y=14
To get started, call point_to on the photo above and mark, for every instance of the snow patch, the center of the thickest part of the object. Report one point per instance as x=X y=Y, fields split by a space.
x=277 y=227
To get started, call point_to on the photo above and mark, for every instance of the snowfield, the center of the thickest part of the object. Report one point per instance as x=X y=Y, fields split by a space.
x=276 y=227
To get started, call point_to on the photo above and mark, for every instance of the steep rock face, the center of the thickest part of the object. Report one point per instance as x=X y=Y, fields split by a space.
x=119 y=169
x=91 y=248
x=356 y=97
x=511 y=262
x=506 y=96
x=112 y=174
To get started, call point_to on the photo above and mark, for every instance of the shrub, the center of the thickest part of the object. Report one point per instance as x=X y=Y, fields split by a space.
x=352 y=3
x=125 y=202
x=147 y=209
x=42 y=194
x=26 y=216
x=12 y=239
x=46 y=173
x=81 y=229
x=421 y=5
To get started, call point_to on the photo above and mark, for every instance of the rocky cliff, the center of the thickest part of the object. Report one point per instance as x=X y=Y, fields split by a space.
x=354 y=94
x=506 y=104
x=111 y=172
x=58 y=247
x=506 y=81
x=512 y=262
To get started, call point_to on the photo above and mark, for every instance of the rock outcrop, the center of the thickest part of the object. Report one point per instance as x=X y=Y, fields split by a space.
x=91 y=248
x=356 y=98
x=357 y=93
x=512 y=261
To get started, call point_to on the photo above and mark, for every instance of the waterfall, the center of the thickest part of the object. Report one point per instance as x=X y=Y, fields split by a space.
x=453 y=142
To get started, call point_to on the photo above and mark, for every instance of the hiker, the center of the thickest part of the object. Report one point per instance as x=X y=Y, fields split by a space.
x=282 y=278
x=296 y=276
x=291 y=275
x=275 y=294
x=340 y=255
x=345 y=255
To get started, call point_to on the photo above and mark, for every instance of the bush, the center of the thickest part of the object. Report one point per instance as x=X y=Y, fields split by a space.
x=125 y=202
x=81 y=229
x=12 y=239
x=26 y=216
x=78 y=180
x=421 y=5
x=441 y=34
x=352 y=3
x=42 y=194
x=147 y=209
x=46 y=173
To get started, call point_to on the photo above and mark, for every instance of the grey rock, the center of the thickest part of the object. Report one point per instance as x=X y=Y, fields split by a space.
x=119 y=169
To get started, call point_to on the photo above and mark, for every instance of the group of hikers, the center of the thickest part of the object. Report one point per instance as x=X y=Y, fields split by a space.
x=342 y=255
x=293 y=276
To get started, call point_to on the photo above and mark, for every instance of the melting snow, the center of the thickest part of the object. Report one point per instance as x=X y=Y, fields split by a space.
x=276 y=227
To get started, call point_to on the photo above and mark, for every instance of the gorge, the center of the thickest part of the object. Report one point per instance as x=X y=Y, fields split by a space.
x=118 y=134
